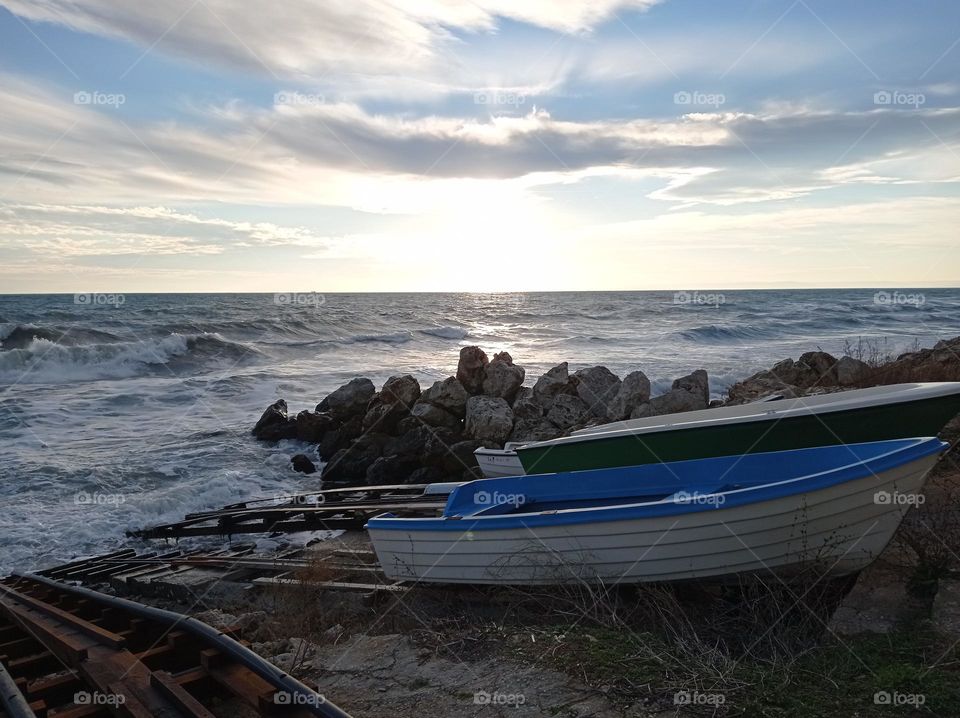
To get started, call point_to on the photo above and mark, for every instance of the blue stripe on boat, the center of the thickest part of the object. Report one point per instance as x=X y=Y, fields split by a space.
x=650 y=490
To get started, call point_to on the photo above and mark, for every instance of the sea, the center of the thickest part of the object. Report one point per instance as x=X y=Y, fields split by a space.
x=119 y=411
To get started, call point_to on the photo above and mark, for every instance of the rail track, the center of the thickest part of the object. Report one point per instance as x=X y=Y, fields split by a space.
x=70 y=652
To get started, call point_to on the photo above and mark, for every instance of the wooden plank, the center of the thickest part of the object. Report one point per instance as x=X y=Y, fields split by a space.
x=176 y=694
x=329 y=585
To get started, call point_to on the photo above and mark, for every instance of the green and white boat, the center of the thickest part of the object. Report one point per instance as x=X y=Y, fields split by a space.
x=895 y=411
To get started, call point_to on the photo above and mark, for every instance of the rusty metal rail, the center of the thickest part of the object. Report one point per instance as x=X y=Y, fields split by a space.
x=329 y=509
x=72 y=652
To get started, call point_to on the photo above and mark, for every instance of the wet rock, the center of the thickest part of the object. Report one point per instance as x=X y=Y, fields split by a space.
x=697 y=384
x=538 y=429
x=525 y=406
x=411 y=443
x=351 y=464
x=340 y=437
x=470 y=369
x=567 y=411
x=312 y=426
x=395 y=469
x=434 y=415
x=552 y=384
x=850 y=371
x=502 y=377
x=384 y=417
x=303 y=464
x=596 y=386
x=489 y=418
x=400 y=390
x=449 y=395
x=349 y=400
x=634 y=391
x=274 y=424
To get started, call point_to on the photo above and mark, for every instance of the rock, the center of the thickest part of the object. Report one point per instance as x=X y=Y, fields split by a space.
x=759 y=385
x=383 y=417
x=567 y=410
x=822 y=368
x=552 y=384
x=403 y=390
x=850 y=371
x=676 y=401
x=394 y=469
x=448 y=394
x=351 y=464
x=643 y=411
x=340 y=437
x=489 y=418
x=634 y=391
x=274 y=424
x=434 y=415
x=538 y=429
x=697 y=384
x=411 y=443
x=459 y=456
x=525 y=406
x=596 y=386
x=427 y=475
x=502 y=377
x=470 y=369
x=349 y=400
x=303 y=464
x=312 y=426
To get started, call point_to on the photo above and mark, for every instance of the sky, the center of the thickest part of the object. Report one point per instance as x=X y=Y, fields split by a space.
x=483 y=145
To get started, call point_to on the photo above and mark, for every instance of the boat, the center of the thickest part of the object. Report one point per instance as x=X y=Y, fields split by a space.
x=498 y=463
x=833 y=508
x=895 y=411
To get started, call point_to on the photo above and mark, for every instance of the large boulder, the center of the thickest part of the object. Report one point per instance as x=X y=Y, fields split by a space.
x=634 y=392
x=303 y=464
x=400 y=390
x=434 y=415
x=382 y=416
x=568 y=410
x=470 y=369
x=439 y=449
x=489 y=418
x=340 y=437
x=534 y=430
x=274 y=424
x=502 y=377
x=312 y=426
x=552 y=384
x=850 y=371
x=697 y=384
x=675 y=401
x=395 y=469
x=349 y=400
x=597 y=386
x=822 y=366
x=449 y=395
x=350 y=465
x=459 y=456
x=525 y=406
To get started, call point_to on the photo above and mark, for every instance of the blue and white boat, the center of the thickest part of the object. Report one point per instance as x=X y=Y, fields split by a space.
x=835 y=507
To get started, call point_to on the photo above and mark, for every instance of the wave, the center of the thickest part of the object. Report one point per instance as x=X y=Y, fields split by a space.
x=717 y=333
x=46 y=361
x=20 y=336
x=446 y=332
x=395 y=338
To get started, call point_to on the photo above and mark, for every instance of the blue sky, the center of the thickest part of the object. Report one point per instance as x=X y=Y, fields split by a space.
x=216 y=145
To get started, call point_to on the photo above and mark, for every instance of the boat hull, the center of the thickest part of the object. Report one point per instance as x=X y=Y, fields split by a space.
x=925 y=417
x=837 y=530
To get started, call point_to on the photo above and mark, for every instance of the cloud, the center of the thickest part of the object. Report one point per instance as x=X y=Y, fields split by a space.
x=306 y=38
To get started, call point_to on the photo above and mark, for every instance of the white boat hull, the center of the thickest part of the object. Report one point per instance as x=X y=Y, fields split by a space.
x=498 y=463
x=841 y=529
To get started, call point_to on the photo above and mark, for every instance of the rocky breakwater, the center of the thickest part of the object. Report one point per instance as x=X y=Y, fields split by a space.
x=406 y=434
